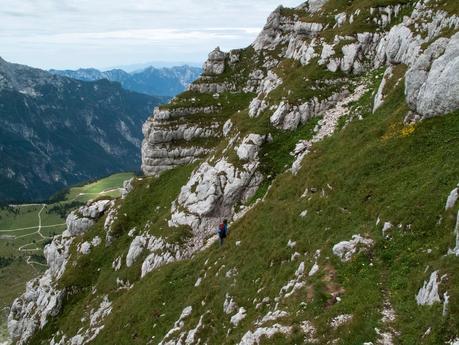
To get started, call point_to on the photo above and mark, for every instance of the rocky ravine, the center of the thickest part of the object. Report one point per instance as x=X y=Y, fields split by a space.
x=313 y=64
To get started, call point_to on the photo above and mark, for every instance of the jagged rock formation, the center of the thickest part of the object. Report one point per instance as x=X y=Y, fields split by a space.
x=301 y=141
x=215 y=64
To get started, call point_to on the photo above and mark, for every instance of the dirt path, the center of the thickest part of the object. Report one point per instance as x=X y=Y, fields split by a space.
x=25 y=248
x=39 y=227
x=32 y=227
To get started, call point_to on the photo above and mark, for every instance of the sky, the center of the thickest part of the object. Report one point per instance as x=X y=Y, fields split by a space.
x=107 y=33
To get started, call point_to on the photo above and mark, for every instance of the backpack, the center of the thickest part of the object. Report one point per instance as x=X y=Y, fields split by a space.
x=222 y=230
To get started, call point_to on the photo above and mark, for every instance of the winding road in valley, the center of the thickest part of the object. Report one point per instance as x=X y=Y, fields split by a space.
x=26 y=247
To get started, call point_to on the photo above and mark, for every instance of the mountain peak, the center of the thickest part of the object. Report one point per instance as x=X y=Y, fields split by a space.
x=164 y=82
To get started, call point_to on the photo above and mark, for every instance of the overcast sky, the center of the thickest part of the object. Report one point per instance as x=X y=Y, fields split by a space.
x=106 y=33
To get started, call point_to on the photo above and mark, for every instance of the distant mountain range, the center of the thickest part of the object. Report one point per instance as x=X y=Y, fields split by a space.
x=56 y=131
x=151 y=81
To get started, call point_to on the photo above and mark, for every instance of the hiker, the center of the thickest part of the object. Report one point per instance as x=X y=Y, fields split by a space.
x=223 y=231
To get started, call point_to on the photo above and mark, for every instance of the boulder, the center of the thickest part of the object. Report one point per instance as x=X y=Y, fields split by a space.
x=455 y=251
x=215 y=64
x=227 y=127
x=432 y=83
x=346 y=249
x=128 y=186
x=379 y=97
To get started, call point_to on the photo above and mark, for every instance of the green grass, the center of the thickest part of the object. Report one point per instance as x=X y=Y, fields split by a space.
x=373 y=169
x=108 y=186
x=301 y=83
x=451 y=7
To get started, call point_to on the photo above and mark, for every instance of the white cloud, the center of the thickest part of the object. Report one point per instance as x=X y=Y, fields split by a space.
x=75 y=33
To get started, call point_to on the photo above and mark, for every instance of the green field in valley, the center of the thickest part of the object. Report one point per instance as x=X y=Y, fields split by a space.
x=26 y=229
x=108 y=186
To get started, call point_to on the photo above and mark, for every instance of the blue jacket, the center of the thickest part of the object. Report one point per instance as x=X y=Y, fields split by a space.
x=225 y=231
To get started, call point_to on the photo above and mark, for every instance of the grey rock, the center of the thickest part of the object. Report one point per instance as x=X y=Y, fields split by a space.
x=212 y=88
x=302 y=50
x=379 y=97
x=80 y=221
x=432 y=83
x=455 y=251
x=42 y=298
x=346 y=249
x=274 y=32
x=428 y=294
x=307 y=29
x=227 y=127
x=452 y=199
x=128 y=187
x=248 y=150
x=215 y=64
x=212 y=193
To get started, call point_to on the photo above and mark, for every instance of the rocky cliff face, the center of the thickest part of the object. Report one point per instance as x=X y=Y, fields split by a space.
x=56 y=131
x=329 y=145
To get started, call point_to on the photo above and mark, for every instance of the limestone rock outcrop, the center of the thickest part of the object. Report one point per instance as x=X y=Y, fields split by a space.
x=212 y=193
x=85 y=217
x=432 y=83
x=215 y=64
x=161 y=148
x=234 y=123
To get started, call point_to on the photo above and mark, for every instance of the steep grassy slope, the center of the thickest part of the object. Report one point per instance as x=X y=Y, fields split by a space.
x=374 y=168
x=285 y=143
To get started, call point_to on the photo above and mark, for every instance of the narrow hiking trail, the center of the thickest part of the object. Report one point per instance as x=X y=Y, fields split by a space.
x=39 y=227
x=32 y=227
x=44 y=238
